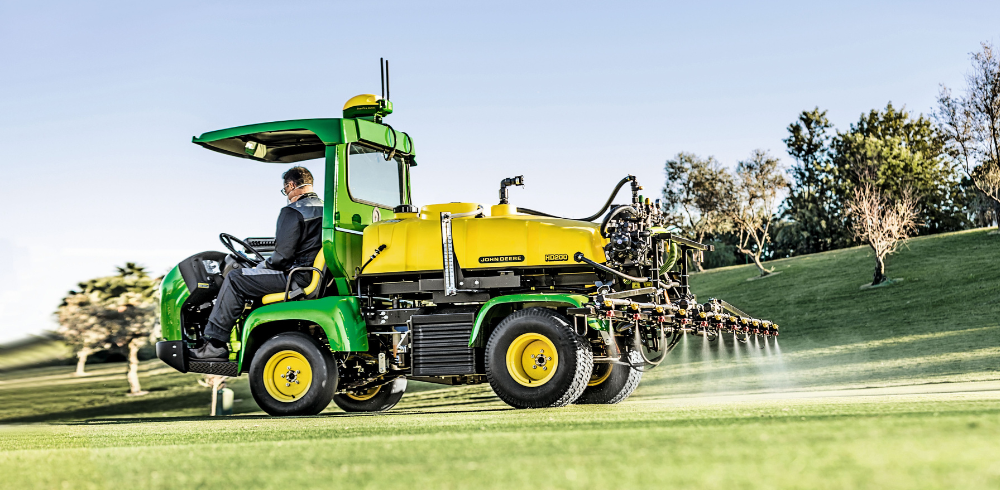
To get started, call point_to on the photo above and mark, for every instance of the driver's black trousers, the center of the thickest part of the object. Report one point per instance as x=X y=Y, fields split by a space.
x=239 y=286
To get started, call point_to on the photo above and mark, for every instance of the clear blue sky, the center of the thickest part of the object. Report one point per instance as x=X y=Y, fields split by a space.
x=99 y=100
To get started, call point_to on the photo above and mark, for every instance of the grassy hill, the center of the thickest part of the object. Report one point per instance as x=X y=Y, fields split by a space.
x=34 y=351
x=939 y=321
x=863 y=390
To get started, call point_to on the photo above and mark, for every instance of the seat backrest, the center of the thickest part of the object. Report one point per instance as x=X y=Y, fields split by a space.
x=319 y=263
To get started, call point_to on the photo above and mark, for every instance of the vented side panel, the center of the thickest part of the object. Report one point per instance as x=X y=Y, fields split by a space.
x=442 y=349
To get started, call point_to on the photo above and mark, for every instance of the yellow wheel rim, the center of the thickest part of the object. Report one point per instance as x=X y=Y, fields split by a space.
x=602 y=372
x=287 y=376
x=363 y=395
x=532 y=359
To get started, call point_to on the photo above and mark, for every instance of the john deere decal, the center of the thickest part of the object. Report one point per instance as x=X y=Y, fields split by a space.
x=501 y=258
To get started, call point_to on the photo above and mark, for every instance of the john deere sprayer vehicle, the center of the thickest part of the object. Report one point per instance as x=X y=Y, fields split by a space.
x=549 y=311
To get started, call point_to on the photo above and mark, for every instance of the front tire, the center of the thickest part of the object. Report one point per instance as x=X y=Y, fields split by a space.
x=291 y=374
x=535 y=359
x=378 y=399
x=612 y=383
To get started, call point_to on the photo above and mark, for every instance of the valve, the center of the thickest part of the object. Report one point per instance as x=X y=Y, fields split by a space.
x=518 y=181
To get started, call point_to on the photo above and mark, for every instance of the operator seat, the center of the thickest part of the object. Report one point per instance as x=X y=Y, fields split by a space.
x=319 y=264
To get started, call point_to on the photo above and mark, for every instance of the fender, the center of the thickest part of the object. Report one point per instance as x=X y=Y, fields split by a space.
x=486 y=312
x=338 y=316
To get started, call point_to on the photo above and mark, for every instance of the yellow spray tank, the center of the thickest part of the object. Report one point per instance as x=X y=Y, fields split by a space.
x=498 y=239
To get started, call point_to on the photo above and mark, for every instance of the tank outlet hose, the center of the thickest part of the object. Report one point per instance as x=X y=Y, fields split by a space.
x=579 y=257
x=630 y=178
x=370 y=259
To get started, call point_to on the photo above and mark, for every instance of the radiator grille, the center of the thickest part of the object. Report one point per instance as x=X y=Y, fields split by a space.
x=441 y=345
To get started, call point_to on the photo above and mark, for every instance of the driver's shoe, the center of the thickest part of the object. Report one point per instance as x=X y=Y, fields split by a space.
x=211 y=351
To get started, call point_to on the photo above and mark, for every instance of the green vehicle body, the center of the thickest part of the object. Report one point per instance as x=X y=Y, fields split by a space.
x=338 y=314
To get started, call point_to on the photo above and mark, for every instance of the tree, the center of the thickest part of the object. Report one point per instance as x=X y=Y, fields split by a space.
x=80 y=325
x=695 y=195
x=118 y=310
x=881 y=222
x=906 y=151
x=902 y=152
x=813 y=219
x=981 y=210
x=753 y=202
x=971 y=122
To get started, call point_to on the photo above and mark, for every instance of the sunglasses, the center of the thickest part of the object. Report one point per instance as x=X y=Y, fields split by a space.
x=284 y=190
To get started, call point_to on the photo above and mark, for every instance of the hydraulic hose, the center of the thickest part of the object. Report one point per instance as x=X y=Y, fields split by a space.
x=615 y=212
x=588 y=218
x=637 y=345
x=652 y=363
x=579 y=257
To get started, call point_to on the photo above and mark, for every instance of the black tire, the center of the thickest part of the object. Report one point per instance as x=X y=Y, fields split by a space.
x=612 y=383
x=320 y=386
x=571 y=371
x=384 y=398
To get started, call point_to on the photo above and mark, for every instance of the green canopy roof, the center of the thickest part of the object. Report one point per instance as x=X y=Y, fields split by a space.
x=278 y=142
x=302 y=139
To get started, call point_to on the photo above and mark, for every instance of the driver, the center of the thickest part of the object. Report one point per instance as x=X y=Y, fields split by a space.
x=297 y=241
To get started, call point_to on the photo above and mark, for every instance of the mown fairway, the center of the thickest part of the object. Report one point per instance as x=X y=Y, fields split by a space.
x=892 y=387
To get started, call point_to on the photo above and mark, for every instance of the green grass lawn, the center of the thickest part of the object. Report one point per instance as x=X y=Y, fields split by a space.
x=890 y=387
x=917 y=441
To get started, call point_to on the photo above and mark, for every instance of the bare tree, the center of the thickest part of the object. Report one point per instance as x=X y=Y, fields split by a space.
x=753 y=203
x=881 y=222
x=695 y=195
x=972 y=122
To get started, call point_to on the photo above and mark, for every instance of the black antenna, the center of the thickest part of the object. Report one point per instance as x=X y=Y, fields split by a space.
x=387 y=80
x=381 y=74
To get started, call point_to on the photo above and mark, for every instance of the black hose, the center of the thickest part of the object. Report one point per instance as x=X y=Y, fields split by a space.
x=588 y=218
x=647 y=363
x=359 y=270
x=637 y=345
x=611 y=216
x=579 y=257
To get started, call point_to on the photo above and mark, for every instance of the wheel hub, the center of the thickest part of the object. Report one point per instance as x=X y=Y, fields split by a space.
x=291 y=376
x=540 y=360
x=287 y=376
x=532 y=359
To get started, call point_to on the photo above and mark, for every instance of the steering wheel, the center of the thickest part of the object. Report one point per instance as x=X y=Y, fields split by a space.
x=227 y=241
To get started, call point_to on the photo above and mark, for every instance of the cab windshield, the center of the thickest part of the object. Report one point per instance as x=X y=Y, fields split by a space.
x=373 y=179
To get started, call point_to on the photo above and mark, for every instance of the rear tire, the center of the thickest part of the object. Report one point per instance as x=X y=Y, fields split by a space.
x=612 y=383
x=292 y=374
x=378 y=399
x=535 y=359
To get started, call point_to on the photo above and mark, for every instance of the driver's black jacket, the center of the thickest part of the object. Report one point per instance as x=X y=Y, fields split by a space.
x=299 y=235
